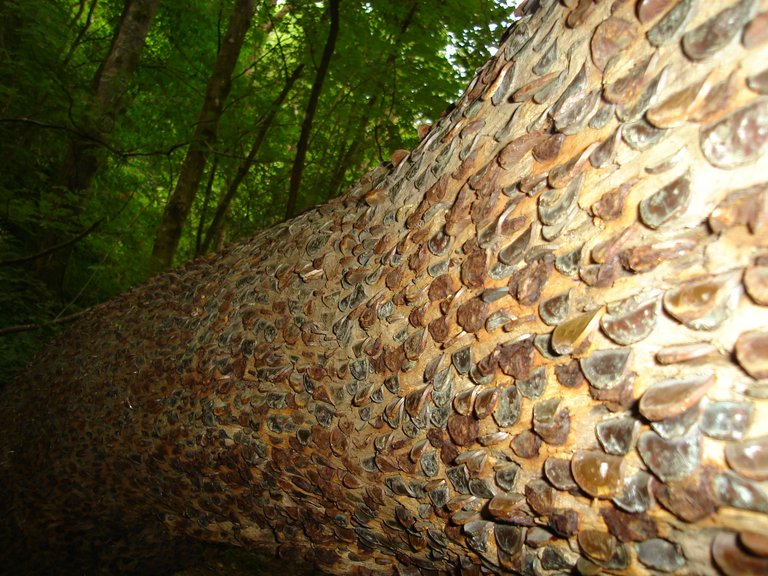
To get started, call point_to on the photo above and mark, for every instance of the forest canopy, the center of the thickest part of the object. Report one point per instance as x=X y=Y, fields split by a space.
x=137 y=135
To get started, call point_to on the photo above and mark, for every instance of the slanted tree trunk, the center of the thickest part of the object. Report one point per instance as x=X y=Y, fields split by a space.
x=85 y=153
x=537 y=344
x=219 y=85
x=309 y=113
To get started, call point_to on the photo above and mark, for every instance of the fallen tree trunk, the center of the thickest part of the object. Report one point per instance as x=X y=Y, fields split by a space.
x=537 y=343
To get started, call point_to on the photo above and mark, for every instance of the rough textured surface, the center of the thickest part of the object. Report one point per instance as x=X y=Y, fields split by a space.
x=537 y=344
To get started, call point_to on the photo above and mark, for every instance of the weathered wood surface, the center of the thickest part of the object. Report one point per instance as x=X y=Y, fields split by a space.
x=537 y=342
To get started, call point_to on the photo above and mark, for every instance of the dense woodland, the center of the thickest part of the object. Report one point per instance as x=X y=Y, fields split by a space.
x=137 y=135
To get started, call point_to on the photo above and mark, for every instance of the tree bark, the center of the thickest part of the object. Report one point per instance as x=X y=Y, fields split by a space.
x=84 y=155
x=537 y=344
x=219 y=85
x=309 y=113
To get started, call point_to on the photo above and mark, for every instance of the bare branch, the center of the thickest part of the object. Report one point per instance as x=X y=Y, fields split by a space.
x=89 y=137
x=55 y=248
x=29 y=327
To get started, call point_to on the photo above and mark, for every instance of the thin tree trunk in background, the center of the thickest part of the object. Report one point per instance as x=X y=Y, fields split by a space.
x=84 y=155
x=83 y=29
x=219 y=86
x=346 y=157
x=314 y=97
x=215 y=229
x=204 y=212
x=213 y=238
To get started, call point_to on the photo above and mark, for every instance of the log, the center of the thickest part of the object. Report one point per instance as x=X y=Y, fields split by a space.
x=536 y=344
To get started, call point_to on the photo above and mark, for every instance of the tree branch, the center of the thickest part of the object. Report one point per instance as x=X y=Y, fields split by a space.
x=29 y=327
x=52 y=249
x=84 y=136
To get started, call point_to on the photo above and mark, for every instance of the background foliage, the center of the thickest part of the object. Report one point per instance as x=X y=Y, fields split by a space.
x=396 y=65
